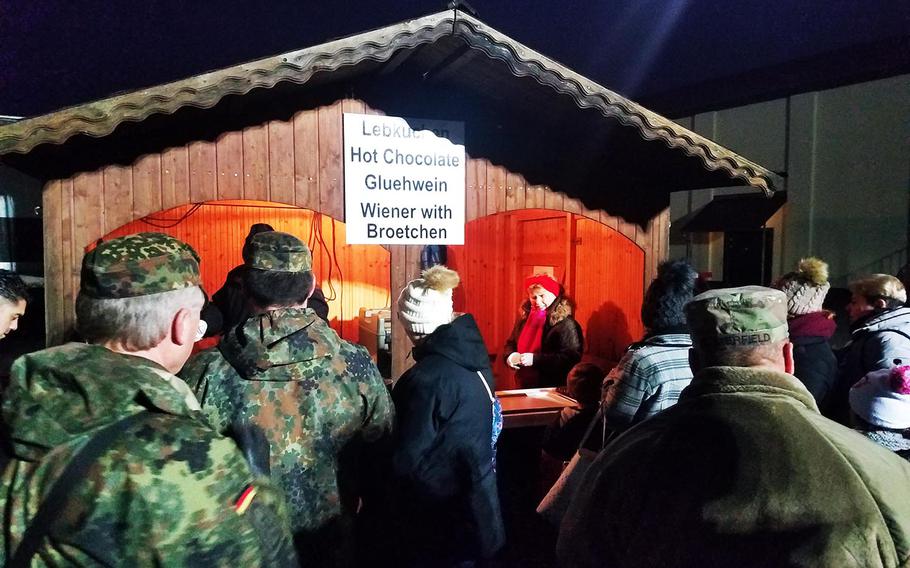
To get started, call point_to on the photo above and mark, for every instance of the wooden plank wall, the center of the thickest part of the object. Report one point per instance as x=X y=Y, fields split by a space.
x=607 y=287
x=405 y=267
x=297 y=162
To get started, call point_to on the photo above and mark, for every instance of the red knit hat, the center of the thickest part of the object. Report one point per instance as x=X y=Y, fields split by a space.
x=545 y=281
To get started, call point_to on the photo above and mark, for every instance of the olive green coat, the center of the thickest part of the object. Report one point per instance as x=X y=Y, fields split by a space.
x=743 y=471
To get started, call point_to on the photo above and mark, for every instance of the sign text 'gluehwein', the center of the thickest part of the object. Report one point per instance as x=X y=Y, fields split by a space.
x=403 y=180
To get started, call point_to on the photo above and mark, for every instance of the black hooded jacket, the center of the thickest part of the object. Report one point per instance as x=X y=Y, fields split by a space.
x=443 y=457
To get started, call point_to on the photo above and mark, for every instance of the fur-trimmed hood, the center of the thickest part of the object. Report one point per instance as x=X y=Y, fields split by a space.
x=560 y=309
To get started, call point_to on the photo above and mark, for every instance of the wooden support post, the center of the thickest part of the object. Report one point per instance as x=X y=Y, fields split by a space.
x=405 y=266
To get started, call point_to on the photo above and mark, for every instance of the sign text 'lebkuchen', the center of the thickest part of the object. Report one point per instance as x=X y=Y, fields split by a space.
x=403 y=180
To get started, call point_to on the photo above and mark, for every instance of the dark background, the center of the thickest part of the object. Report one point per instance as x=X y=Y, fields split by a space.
x=677 y=57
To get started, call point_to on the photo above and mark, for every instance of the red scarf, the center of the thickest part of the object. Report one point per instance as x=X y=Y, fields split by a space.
x=531 y=337
x=815 y=324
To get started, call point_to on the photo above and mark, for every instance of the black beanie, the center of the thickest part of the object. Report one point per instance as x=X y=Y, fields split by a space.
x=665 y=301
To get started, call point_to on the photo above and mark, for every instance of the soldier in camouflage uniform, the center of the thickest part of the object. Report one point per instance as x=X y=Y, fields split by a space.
x=168 y=490
x=319 y=400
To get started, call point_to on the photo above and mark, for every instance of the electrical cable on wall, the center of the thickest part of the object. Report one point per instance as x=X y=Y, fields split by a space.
x=164 y=223
x=315 y=240
x=340 y=275
x=315 y=237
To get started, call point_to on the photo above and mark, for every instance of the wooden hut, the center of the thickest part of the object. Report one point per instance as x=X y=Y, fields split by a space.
x=563 y=173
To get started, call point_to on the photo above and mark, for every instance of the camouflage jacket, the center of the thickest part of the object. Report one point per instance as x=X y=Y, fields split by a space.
x=313 y=395
x=165 y=493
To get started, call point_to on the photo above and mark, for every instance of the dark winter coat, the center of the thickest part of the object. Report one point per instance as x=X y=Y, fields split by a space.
x=230 y=299
x=815 y=363
x=876 y=342
x=816 y=366
x=563 y=436
x=561 y=345
x=446 y=498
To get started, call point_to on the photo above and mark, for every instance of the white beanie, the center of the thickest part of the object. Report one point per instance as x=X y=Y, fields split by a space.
x=426 y=303
x=806 y=288
x=882 y=398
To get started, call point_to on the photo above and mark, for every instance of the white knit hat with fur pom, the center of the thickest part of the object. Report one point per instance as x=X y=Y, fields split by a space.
x=806 y=288
x=426 y=303
x=882 y=398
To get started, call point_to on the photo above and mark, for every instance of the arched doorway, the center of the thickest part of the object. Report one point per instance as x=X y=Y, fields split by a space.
x=351 y=276
x=601 y=270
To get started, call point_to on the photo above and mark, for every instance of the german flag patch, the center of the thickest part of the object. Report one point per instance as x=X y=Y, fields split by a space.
x=246 y=498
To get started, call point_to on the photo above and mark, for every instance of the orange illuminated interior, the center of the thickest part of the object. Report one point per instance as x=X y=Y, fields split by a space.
x=351 y=276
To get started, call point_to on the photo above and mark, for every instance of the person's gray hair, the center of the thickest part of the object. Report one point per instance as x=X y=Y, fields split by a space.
x=137 y=323
x=740 y=355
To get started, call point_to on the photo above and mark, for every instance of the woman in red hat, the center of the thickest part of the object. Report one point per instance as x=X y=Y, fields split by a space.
x=546 y=341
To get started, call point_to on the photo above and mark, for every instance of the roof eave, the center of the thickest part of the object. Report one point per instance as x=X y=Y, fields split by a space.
x=100 y=118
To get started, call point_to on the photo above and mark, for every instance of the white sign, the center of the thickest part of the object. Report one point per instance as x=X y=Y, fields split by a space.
x=403 y=181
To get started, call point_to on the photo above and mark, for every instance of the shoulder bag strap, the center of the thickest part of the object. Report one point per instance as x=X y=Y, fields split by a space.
x=598 y=417
x=496 y=411
x=486 y=386
x=606 y=434
x=56 y=499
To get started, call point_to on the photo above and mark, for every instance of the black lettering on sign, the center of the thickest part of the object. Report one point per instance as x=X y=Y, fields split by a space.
x=412 y=232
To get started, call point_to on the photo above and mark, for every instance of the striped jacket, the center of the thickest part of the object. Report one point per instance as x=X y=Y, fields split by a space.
x=649 y=378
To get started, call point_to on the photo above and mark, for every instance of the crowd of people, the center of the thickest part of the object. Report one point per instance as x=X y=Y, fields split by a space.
x=731 y=434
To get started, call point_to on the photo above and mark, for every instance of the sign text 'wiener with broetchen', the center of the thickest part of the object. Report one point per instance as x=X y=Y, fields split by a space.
x=403 y=180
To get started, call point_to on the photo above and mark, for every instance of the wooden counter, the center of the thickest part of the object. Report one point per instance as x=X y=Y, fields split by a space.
x=531 y=407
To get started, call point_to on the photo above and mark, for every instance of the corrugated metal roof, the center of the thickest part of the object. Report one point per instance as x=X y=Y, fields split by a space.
x=339 y=57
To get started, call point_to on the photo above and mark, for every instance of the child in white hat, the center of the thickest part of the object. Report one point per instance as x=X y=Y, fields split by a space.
x=880 y=402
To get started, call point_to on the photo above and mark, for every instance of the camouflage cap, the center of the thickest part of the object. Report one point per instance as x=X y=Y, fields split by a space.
x=746 y=316
x=278 y=252
x=139 y=265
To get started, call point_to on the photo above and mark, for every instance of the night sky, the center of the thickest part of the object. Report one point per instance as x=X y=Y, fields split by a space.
x=677 y=56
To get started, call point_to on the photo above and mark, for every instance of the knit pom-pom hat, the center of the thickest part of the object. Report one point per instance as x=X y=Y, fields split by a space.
x=882 y=398
x=806 y=288
x=426 y=302
x=664 y=306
